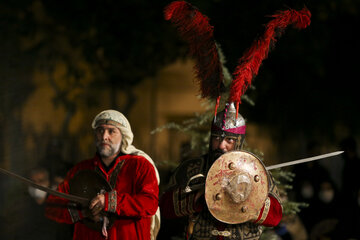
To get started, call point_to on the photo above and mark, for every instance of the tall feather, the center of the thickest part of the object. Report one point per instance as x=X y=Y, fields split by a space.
x=195 y=29
x=250 y=62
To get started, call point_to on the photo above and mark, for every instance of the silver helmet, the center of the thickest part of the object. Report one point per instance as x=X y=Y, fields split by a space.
x=229 y=124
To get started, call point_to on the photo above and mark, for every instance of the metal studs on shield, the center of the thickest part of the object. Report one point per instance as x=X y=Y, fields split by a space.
x=236 y=187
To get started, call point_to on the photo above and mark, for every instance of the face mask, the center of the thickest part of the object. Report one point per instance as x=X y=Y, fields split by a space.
x=307 y=191
x=326 y=195
x=36 y=193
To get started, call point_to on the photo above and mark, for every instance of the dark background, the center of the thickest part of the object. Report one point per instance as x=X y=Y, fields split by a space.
x=307 y=86
x=306 y=91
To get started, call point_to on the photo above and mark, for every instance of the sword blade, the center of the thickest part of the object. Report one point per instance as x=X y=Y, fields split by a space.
x=70 y=197
x=280 y=165
x=304 y=160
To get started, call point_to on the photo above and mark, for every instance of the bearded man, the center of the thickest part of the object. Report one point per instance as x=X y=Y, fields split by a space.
x=227 y=134
x=132 y=201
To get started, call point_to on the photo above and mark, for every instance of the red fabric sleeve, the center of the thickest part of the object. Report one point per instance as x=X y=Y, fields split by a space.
x=271 y=215
x=60 y=209
x=144 y=202
x=57 y=208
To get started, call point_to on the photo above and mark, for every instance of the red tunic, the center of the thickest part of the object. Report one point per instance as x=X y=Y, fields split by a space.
x=134 y=199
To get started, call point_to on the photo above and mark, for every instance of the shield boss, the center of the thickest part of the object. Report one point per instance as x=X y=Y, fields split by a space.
x=236 y=187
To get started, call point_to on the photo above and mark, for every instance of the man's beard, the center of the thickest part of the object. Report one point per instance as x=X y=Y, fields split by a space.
x=215 y=154
x=107 y=151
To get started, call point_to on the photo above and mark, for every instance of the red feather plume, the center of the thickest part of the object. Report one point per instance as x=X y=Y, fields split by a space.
x=195 y=29
x=250 y=62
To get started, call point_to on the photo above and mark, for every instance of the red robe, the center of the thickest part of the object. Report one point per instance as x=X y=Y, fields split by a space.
x=134 y=199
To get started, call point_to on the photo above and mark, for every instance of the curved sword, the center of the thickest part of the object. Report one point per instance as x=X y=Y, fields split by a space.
x=70 y=197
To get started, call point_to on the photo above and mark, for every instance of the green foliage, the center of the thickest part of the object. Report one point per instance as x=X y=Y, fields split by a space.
x=291 y=207
x=283 y=180
x=197 y=128
x=269 y=235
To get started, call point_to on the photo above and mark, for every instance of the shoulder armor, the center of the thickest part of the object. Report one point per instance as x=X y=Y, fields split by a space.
x=186 y=170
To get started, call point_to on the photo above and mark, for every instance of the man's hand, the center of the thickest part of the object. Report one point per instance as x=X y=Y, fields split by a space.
x=97 y=205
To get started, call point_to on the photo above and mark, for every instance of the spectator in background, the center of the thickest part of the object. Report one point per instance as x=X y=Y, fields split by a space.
x=325 y=211
x=308 y=177
x=39 y=176
x=290 y=227
x=58 y=173
x=26 y=219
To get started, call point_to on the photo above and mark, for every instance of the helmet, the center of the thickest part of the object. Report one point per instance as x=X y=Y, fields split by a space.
x=229 y=124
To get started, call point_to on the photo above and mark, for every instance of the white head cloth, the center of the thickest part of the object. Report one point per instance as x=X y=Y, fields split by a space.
x=119 y=120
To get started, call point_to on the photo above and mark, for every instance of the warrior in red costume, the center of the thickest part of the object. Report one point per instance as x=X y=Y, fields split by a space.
x=227 y=131
x=227 y=134
x=131 y=204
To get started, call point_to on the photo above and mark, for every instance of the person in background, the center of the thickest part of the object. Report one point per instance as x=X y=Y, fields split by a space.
x=325 y=211
x=26 y=218
x=306 y=186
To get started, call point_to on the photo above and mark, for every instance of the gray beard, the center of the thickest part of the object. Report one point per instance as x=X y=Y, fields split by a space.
x=107 y=152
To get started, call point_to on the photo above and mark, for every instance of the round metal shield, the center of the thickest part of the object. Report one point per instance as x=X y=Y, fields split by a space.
x=88 y=183
x=236 y=187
